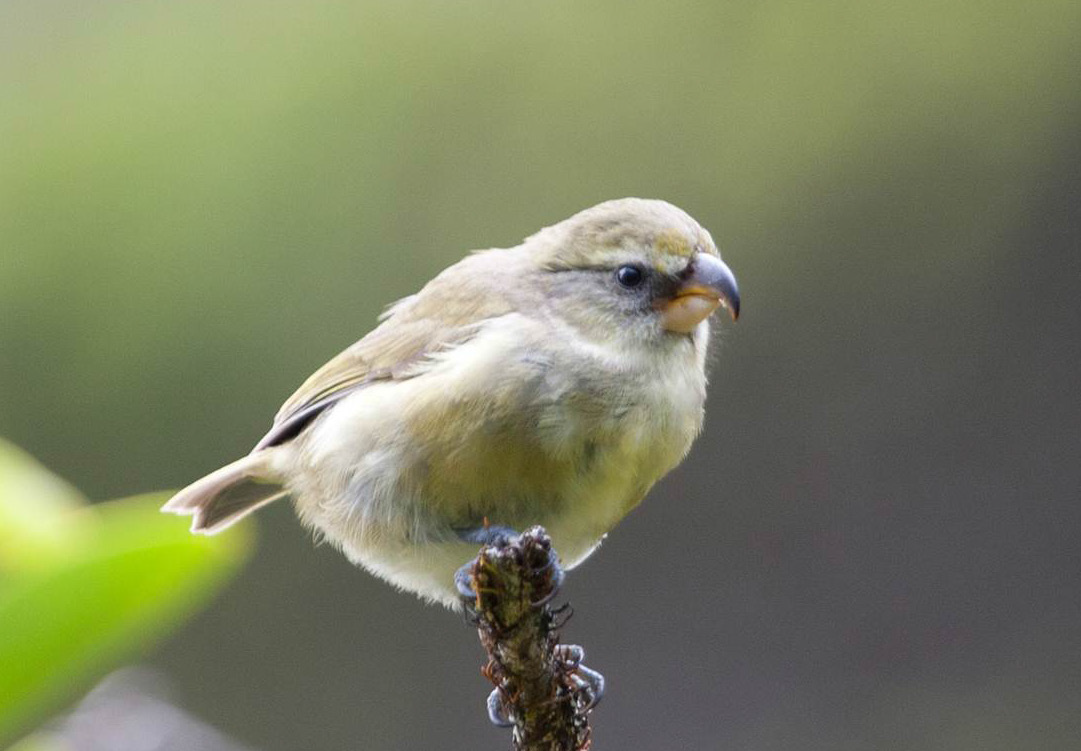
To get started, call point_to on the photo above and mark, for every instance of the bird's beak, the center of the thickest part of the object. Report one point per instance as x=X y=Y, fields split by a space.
x=706 y=284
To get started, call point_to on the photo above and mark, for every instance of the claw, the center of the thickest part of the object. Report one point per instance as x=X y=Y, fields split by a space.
x=497 y=710
x=557 y=579
x=463 y=581
x=592 y=683
x=561 y=615
x=589 y=682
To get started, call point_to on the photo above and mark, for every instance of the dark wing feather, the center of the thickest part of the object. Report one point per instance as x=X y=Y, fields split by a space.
x=288 y=428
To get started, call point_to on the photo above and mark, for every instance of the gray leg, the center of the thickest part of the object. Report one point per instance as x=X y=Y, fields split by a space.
x=489 y=534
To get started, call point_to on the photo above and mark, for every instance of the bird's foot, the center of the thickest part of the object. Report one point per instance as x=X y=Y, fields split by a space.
x=490 y=534
x=463 y=582
x=585 y=684
x=556 y=576
x=498 y=711
x=500 y=537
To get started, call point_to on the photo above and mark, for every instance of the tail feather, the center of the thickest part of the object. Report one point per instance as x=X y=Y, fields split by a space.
x=226 y=496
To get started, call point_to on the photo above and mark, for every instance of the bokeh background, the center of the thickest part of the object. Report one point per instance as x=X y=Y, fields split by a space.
x=877 y=541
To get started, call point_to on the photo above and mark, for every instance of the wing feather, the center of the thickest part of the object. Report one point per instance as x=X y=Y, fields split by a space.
x=444 y=314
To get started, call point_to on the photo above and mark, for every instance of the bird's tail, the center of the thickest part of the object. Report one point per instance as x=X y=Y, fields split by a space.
x=228 y=495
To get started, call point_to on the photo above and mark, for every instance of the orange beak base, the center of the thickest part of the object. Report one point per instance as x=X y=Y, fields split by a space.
x=707 y=284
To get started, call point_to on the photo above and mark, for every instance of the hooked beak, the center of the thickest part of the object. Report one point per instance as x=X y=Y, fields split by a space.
x=706 y=285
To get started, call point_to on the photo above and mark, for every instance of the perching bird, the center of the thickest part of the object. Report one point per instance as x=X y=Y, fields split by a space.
x=551 y=383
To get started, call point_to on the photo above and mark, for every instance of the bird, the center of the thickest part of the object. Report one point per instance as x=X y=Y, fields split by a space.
x=551 y=383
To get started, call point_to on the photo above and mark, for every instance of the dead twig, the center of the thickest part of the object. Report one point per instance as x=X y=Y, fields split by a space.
x=541 y=687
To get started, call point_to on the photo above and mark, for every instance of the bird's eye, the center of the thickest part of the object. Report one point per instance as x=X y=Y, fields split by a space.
x=630 y=276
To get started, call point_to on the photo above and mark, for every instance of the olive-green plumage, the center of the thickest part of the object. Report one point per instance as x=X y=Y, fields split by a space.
x=551 y=383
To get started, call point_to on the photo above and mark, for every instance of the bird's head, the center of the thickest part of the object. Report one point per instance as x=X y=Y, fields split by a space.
x=633 y=268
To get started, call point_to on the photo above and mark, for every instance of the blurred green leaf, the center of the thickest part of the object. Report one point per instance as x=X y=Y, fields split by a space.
x=124 y=577
x=36 y=525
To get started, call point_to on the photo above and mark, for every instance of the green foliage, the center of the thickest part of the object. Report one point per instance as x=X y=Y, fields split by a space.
x=83 y=587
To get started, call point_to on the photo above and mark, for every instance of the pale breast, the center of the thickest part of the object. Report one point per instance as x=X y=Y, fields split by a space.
x=566 y=438
x=644 y=430
x=503 y=432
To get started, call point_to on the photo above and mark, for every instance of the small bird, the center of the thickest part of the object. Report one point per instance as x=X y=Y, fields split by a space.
x=551 y=383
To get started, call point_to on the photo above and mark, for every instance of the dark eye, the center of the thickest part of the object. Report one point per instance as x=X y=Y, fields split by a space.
x=630 y=276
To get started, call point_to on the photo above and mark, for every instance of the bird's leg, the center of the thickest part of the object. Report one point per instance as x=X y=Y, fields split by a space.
x=489 y=534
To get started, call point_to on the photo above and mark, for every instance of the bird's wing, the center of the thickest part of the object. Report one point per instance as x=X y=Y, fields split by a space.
x=446 y=313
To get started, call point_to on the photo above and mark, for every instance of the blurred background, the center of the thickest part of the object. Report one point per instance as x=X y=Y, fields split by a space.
x=877 y=541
